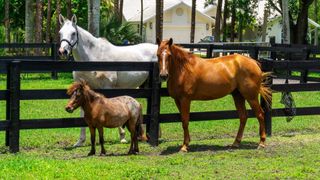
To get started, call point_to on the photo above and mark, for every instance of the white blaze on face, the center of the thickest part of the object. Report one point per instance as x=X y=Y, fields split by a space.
x=164 y=53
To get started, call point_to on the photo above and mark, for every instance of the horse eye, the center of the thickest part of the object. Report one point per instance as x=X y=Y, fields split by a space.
x=73 y=34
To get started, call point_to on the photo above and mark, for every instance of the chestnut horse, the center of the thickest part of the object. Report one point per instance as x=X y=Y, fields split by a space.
x=192 y=78
x=100 y=112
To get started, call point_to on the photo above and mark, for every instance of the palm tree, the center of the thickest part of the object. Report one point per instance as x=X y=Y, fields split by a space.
x=29 y=22
x=7 y=20
x=217 y=24
x=233 y=20
x=159 y=18
x=224 y=23
x=141 y=18
x=285 y=22
x=39 y=13
x=94 y=17
x=48 y=30
x=117 y=32
x=193 y=19
x=58 y=11
x=69 y=8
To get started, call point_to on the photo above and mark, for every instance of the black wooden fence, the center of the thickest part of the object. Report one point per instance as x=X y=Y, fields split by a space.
x=13 y=94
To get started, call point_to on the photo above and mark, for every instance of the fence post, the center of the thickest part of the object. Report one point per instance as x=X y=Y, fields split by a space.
x=209 y=51
x=155 y=107
x=14 y=106
x=149 y=102
x=54 y=74
x=267 y=108
x=254 y=52
x=8 y=104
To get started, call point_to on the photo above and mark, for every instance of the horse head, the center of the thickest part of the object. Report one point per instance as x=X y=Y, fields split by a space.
x=76 y=91
x=164 y=56
x=68 y=35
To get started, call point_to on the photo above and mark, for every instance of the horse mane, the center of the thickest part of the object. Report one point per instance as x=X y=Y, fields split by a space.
x=85 y=87
x=182 y=56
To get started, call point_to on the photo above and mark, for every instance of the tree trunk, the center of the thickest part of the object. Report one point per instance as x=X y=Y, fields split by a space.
x=48 y=30
x=285 y=23
x=121 y=10
x=233 y=21
x=29 y=20
x=224 y=23
x=7 y=20
x=316 y=31
x=217 y=24
x=265 y=23
x=58 y=11
x=116 y=7
x=159 y=18
x=141 y=19
x=193 y=21
x=94 y=17
x=301 y=28
x=69 y=9
x=39 y=14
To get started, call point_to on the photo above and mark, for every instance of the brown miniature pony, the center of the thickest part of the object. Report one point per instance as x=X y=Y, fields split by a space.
x=100 y=112
x=192 y=78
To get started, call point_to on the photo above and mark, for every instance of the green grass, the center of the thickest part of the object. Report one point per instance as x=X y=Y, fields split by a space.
x=291 y=152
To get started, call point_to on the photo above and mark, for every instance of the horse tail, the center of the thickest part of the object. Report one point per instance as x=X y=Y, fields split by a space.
x=139 y=128
x=265 y=91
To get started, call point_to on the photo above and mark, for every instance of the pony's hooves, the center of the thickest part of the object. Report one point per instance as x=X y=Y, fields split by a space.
x=261 y=146
x=184 y=149
x=91 y=153
x=123 y=141
x=79 y=143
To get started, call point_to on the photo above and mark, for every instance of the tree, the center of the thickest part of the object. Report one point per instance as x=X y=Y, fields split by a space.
x=29 y=22
x=116 y=7
x=121 y=10
x=141 y=18
x=193 y=19
x=285 y=22
x=265 y=22
x=224 y=23
x=48 y=30
x=69 y=9
x=39 y=14
x=316 y=20
x=58 y=11
x=159 y=18
x=217 y=24
x=94 y=17
x=233 y=20
x=7 y=20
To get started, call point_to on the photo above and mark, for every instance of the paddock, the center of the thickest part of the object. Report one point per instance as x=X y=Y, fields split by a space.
x=14 y=94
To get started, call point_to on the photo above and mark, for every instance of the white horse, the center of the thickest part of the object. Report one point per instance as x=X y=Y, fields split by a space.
x=85 y=47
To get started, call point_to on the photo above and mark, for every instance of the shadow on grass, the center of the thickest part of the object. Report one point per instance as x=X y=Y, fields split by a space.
x=204 y=147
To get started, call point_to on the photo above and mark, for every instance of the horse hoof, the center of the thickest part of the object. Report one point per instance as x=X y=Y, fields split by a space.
x=261 y=146
x=91 y=153
x=79 y=143
x=184 y=149
x=123 y=141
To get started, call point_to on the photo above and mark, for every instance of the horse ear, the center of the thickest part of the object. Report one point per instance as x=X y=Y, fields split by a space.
x=74 y=19
x=61 y=19
x=170 y=42
x=158 y=41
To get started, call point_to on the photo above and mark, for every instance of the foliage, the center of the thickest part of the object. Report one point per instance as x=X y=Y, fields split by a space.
x=117 y=32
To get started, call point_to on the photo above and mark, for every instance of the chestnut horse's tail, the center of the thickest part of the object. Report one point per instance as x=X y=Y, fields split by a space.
x=139 y=128
x=266 y=91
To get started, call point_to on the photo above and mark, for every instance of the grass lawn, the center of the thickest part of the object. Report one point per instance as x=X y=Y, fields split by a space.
x=291 y=153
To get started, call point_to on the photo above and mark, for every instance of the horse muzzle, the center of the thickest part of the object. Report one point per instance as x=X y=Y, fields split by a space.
x=164 y=77
x=62 y=52
x=69 y=109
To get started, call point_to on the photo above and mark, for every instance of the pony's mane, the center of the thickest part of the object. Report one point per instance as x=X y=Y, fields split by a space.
x=78 y=85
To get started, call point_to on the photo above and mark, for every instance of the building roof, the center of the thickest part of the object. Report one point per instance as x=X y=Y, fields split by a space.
x=131 y=8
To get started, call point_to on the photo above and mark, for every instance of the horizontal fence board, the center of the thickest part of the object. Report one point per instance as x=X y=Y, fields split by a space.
x=27 y=58
x=296 y=87
x=56 y=123
x=61 y=93
x=25 y=45
x=67 y=66
x=4 y=125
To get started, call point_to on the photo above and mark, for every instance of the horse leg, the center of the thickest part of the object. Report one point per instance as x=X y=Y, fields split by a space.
x=122 y=134
x=131 y=127
x=82 y=137
x=93 y=141
x=185 y=111
x=101 y=140
x=260 y=116
x=243 y=115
